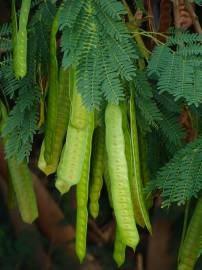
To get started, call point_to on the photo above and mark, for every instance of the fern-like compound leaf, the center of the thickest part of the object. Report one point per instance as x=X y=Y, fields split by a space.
x=181 y=178
x=94 y=32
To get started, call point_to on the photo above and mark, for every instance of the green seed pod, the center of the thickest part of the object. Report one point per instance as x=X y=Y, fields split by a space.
x=20 y=39
x=97 y=170
x=107 y=179
x=71 y=162
x=55 y=132
x=72 y=157
x=82 y=197
x=192 y=244
x=118 y=171
x=141 y=213
x=23 y=187
x=119 y=249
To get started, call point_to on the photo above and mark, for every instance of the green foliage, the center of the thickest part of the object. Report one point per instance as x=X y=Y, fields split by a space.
x=5 y=36
x=22 y=122
x=23 y=117
x=176 y=66
x=198 y=2
x=95 y=38
x=139 y=4
x=170 y=131
x=181 y=178
x=9 y=84
x=148 y=114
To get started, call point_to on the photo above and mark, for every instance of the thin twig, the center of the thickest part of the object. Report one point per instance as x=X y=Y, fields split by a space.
x=138 y=37
x=176 y=13
x=193 y=16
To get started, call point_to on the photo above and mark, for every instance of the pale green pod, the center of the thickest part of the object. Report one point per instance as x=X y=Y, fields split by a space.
x=191 y=247
x=82 y=197
x=97 y=170
x=22 y=184
x=118 y=171
x=119 y=249
x=141 y=212
x=71 y=162
x=129 y=157
x=79 y=118
x=43 y=166
x=72 y=157
x=20 y=39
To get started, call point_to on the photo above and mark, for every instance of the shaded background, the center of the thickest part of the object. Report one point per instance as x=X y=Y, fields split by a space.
x=49 y=242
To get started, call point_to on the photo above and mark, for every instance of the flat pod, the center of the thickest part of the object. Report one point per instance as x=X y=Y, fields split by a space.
x=129 y=157
x=118 y=171
x=192 y=244
x=141 y=213
x=71 y=162
x=60 y=86
x=119 y=249
x=55 y=133
x=22 y=184
x=42 y=164
x=82 y=197
x=97 y=170
x=79 y=115
x=20 y=38
x=72 y=158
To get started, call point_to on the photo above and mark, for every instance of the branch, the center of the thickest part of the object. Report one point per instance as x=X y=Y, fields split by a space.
x=176 y=13
x=133 y=24
x=194 y=17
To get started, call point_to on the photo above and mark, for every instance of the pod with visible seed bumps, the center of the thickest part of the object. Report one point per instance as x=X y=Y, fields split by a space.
x=141 y=213
x=118 y=171
x=72 y=157
x=20 y=39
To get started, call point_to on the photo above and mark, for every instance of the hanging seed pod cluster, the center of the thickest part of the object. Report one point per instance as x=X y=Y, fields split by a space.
x=114 y=113
x=93 y=151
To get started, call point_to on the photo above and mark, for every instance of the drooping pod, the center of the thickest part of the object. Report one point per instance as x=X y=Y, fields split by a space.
x=82 y=196
x=97 y=170
x=22 y=184
x=191 y=247
x=20 y=38
x=118 y=171
x=107 y=179
x=52 y=93
x=72 y=157
x=129 y=157
x=54 y=134
x=20 y=180
x=144 y=167
x=119 y=249
x=141 y=213
x=60 y=88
